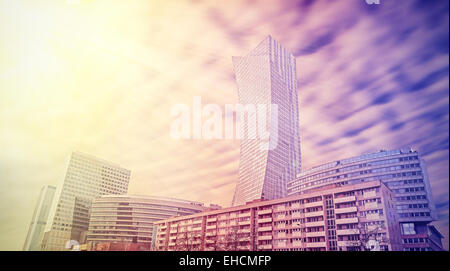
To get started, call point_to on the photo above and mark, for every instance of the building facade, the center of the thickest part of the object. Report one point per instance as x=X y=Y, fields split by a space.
x=87 y=177
x=39 y=219
x=125 y=222
x=266 y=77
x=401 y=170
x=354 y=217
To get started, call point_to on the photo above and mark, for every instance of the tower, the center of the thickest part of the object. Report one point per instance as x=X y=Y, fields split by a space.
x=267 y=76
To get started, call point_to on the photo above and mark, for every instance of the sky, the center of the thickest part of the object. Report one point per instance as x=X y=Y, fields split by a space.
x=101 y=77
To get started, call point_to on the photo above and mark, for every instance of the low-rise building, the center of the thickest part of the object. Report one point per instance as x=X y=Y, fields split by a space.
x=125 y=222
x=354 y=217
x=403 y=171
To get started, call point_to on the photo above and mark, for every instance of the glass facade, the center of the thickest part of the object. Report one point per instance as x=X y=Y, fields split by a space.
x=86 y=178
x=39 y=220
x=129 y=219
x=267 y=76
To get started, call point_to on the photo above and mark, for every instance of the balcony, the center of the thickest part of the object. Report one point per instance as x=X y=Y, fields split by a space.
x=316 y=245
x=210 y=241
x=210 y=234
x=210 y=227
x=347 y=232
x=370 y=194
x=374 y=216
x=313 y=204
x=297 y=244
x=265 y=237
x=348 y=243
x=281 y=226
x=295 y=206
x=244 y=214
x=244 y=247
x=214 y=219
x=268 y=228
x=172 y=237
x=280 y=208
x=352 y=209
x=264 y=212
x=315 y=234
x=315 y=224
x=264 y=220
x=347 y=220
x=313 y=214
x=345 y=199
x=246 y=222
x=281 y=245
x=297 y=234
x=281 y=235
x=371 y=205
x=265 y=246
x=244 y=231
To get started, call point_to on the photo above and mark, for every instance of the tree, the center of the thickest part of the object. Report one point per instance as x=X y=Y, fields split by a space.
x=370 y=238
x=232 y=240
x=188 y=241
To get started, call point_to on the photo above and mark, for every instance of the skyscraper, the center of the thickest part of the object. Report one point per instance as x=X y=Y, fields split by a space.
x=86 y=178
x=267 y=76
x=39 y=220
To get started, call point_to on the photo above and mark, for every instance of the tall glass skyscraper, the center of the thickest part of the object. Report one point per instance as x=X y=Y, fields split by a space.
x=87 y=177
x=267 y=76
x=39 y=220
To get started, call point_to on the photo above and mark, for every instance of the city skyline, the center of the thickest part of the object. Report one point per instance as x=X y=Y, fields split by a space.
x=377 y=78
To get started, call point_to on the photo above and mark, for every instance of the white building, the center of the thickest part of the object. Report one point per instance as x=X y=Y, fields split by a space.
x=128 y=219
x=86 y=178
x=403 y=171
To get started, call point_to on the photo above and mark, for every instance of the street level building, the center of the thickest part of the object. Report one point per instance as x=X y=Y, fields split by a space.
x=333 y=218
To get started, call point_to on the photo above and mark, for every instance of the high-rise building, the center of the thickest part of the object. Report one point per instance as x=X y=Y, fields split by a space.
x=267 y=76
x=87 y=177
x=39 y=219
x=326 y=219
x=125 y=222
x=403 y=171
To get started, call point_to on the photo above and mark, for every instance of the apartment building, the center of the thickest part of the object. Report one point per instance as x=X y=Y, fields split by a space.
x=333 y=218
x=403 y=171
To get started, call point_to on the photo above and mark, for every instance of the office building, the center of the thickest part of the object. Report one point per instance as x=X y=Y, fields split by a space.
x=87 y=177
x=39 y=219
x=267 y=76
x=125 y=222
x=353 y=217
x=402 y=171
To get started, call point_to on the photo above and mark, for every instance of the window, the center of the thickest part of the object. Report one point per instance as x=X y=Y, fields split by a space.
x=408 y=228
